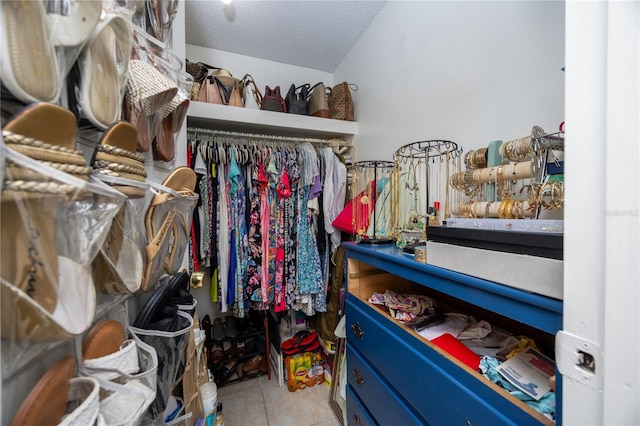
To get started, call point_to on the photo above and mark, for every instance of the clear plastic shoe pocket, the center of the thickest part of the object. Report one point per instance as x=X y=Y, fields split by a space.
x=120 y=370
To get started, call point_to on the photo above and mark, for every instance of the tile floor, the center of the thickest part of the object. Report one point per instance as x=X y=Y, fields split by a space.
x=261 y=402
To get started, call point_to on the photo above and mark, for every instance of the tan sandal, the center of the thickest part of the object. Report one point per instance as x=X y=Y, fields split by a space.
x=118 y=268
x=166 y=225
x=46 y=404
x=30 y=268
x=104 y=64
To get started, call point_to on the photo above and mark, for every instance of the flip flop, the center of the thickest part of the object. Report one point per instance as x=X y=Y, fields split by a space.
x=302 y=341
x=104 y=63
x=167 y=226
x=46 y=404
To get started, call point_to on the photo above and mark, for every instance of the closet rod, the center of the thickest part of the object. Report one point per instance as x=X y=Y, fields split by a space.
x=213 y=133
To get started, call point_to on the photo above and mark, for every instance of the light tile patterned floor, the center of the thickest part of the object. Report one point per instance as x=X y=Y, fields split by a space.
x=261 y=402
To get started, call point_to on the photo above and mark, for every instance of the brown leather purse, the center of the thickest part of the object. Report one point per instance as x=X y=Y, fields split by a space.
x=341 y=102
x=318 y=104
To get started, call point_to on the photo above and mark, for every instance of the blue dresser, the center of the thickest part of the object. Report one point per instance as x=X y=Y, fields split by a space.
x=397 y=377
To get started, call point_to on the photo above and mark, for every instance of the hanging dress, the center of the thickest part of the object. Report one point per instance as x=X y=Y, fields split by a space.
x=223 y=238
x=309 y=274
x=273 y=176
x=254 y=274
x=283 y=192
x=237 y=195
x=291 y=229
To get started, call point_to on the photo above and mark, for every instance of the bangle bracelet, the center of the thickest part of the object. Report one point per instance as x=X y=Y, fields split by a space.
x=501 y=210
x=507 y=209
x=558 y=200
x=487 y=208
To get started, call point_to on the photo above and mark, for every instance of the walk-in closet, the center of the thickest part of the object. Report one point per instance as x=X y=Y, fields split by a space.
x=319 y=213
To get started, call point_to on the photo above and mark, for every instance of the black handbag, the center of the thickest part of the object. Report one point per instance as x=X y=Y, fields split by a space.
x=296 y=100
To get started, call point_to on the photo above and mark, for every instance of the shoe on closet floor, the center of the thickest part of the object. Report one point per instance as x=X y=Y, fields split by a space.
x=224 y=373
x=218 y=330
x=229 y=349
x=253 y=364
x=302 y=341
x=216 y=354
x=231 y=327
x=263 y=366
x=205 y=325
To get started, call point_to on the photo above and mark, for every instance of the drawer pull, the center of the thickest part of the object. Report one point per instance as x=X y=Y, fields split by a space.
x=356 y=330
x=358 y=376
x=356 y=420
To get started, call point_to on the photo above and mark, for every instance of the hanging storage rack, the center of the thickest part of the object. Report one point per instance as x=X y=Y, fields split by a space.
x=363 y=169
x=427 y=152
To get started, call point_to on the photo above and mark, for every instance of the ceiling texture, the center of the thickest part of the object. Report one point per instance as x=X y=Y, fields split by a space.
x=315 y=34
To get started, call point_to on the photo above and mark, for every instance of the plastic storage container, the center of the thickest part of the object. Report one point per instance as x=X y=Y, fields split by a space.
x=209 y=396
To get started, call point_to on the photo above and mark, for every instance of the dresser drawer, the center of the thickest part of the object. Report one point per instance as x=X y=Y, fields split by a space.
x=356 y=414
x=381 y=401
x=438 y=388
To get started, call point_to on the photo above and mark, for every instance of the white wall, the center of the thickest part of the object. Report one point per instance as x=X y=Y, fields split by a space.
x=470 y=72
x=602 y=249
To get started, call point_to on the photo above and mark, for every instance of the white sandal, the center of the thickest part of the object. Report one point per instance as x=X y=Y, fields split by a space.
x=104 y=63
x=112 y=366
x=30 y=68
x=74 y=28
x=86 y=392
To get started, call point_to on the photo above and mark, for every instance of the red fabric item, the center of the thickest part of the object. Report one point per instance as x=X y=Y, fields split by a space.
x=194 y=245
x=456 y=348
x=345 y=219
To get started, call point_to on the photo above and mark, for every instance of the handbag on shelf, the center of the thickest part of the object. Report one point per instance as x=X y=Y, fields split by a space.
x=199 y=72
x=318 y=104
x=272 y=100
x=228 y=81
x=296 y=100
x=235 y=97
x=212 y=91
x=252 y=95
x=341 y=102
